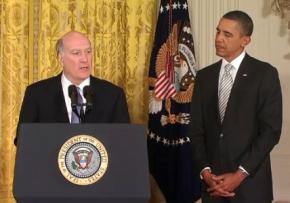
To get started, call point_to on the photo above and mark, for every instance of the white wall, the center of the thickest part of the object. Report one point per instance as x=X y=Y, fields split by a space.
x=271 y=43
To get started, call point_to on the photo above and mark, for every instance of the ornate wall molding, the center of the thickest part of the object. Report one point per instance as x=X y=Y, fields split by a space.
x=282 y=7
x=204 y=18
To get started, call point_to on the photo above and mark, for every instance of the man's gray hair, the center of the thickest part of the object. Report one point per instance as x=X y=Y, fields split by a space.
x=59 y=46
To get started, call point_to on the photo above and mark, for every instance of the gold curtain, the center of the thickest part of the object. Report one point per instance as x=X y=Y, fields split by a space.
x=121 y=32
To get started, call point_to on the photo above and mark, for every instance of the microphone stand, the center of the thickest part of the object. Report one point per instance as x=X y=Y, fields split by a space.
x=78 y=108
x=80 y=115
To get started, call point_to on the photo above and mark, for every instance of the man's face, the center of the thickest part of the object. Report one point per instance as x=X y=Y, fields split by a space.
x=230 y=40
x=76 y=57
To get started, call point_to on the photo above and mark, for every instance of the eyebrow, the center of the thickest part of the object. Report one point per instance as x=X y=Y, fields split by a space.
x=89 y=48
x=224 y=31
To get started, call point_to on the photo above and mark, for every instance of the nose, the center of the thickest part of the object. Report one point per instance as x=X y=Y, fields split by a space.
x=84 y=57
x=218 y=37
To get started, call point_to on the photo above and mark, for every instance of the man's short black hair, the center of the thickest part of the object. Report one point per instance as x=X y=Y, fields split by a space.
x=243 y=19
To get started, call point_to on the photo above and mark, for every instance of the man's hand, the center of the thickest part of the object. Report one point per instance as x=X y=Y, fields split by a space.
x=213 y=183
x=207 y=177
x=226 y=182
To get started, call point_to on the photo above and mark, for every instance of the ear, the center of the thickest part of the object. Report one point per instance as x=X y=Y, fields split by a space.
x=245 y=41
x=60 y=58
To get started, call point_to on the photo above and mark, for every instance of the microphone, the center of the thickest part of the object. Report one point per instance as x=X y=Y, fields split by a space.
x=73 y=94
x=88 y=94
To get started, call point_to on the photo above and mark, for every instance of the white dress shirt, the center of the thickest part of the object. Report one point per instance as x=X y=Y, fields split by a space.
x=235 y=63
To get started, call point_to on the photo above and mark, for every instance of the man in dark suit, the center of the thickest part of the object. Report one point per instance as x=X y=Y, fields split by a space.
x=236 y=115
x=49 y=101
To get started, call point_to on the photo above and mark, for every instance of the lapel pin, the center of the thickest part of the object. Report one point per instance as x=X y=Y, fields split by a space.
x=245 y=75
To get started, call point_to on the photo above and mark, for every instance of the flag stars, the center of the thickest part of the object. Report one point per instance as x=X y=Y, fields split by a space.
x=158 y=138
x=161 y=9
x=185 y=6
x=151 y=135
x=164 y=141
x=174 y=5
x=167 y=7
x=168 y=142
x=186 y=30
x=181 y=141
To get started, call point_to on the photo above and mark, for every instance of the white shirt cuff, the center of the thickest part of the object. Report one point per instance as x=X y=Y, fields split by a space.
x=206 y=168
x=244 y=170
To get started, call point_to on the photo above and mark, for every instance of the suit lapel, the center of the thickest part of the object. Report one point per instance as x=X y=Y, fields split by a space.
x=239 y=82
x=91 y=113
x=60 y=106
x=241 y=74
x=215 y=80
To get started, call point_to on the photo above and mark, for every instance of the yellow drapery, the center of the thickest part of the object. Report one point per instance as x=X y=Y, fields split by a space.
x=121 y=32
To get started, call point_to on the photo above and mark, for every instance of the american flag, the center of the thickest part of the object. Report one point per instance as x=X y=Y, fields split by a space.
x=171 y=79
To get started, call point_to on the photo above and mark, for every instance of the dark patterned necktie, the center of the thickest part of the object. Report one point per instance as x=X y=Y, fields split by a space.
x=225 y=90
x=74 y=117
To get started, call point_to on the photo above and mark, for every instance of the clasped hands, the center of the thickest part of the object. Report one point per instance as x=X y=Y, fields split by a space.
x=223 y=185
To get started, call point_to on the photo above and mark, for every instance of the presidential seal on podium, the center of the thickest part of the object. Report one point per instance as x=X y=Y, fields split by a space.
x=83 y=160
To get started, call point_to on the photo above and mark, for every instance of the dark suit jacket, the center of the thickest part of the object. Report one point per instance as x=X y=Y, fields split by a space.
x=44 y=102
x=251 y=127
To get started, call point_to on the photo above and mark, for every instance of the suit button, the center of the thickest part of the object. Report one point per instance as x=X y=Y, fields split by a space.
x=221 y=135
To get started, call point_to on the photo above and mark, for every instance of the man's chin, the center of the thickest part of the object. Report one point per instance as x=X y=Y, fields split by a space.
x=219 y=53
x=85 y=74
x=85 y=77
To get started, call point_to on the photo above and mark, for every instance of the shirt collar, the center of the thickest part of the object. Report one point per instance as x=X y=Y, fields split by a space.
x=236 y=62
